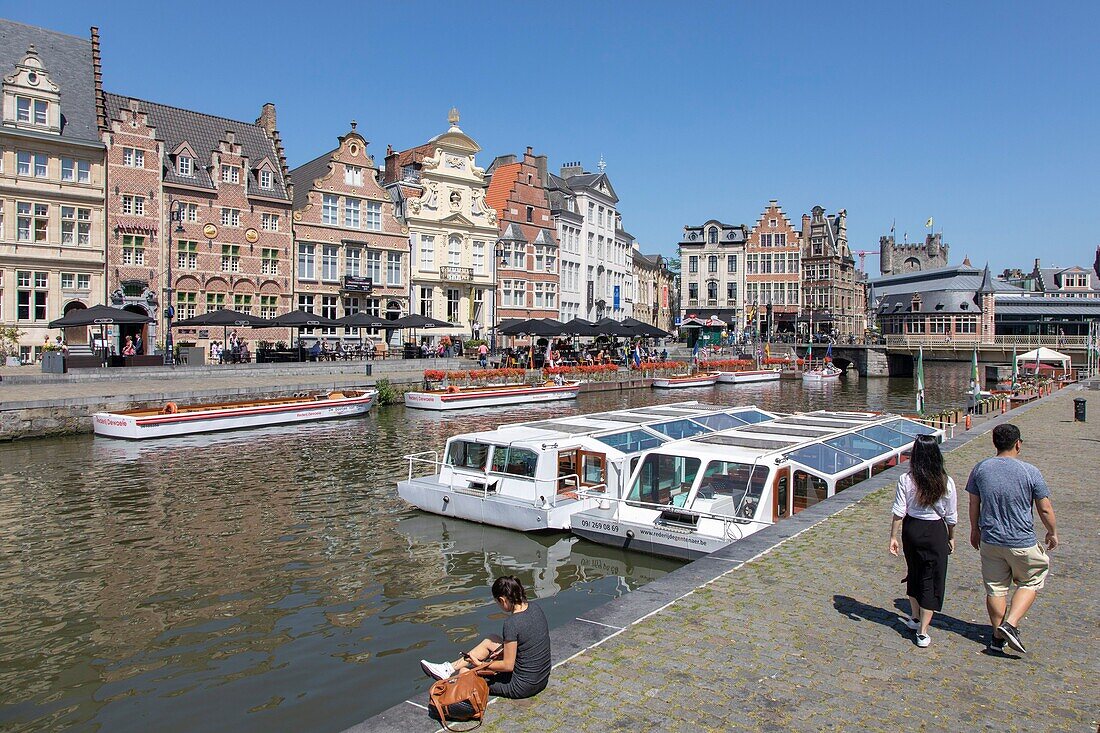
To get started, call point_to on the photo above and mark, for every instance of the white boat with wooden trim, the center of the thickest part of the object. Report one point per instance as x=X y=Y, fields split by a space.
x=457 y=398
x=172 y=419
x=691 y=497
x=826 y=373
x=530 y=475
x=748 y=376
x=678 y=381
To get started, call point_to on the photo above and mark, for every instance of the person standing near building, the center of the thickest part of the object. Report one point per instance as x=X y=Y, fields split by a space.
x=483 y=355
x=1002 y=491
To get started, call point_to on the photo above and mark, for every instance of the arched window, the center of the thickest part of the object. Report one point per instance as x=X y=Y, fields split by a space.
x=712 y=235
x=712 y=290
x=912 y=264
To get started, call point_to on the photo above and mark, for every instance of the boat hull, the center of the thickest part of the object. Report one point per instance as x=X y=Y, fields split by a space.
x=429 y=495
x=683 y=382
x=490 y=398
x=747 y=377
x=601 y=526
x=130 y=427
x=815 y=377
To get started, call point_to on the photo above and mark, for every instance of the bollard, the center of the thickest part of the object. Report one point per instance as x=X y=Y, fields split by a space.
x=1004 y=405
x=1079 y=409
x=968 y=421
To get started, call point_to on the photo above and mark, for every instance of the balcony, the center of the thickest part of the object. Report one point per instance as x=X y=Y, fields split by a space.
x=456 y=274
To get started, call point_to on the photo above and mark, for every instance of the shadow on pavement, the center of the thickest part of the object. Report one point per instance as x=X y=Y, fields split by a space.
x=856 y=610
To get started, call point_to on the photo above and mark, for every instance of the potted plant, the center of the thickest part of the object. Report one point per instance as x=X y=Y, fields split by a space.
x=53 y=359
x=9 y=345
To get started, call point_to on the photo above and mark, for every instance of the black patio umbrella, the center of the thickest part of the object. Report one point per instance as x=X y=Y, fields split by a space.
x=581 y=327
x=297 y=319
x=534 y=327
x=224 y=318
x=611 y=327
x=643 y=329
x=417 y=321
x=363 y=320
x=99 y=315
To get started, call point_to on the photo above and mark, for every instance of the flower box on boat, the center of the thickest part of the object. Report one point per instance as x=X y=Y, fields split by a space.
x=172 y=419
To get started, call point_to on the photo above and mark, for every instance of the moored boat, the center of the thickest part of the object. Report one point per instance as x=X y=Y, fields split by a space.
x=174 y=419
x=455 y=398
x=677 y=381
x=826 y=373
x=748 y=376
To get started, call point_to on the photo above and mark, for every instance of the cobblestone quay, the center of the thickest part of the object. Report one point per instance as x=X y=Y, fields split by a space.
x=804 y=636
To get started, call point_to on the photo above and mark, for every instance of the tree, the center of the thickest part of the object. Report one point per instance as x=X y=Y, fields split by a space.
x=9 y=342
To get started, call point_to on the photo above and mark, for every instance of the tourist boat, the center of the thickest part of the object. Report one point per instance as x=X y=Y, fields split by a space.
x=172 y=419
x=749 y=376
x=529 y=475
x=678 y=381
x=690 y=497
x=826 y=373
x=457 y=398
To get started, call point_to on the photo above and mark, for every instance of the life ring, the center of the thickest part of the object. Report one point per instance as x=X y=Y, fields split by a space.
x=170 y=408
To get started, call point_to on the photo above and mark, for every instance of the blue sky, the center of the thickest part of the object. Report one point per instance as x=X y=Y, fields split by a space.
x=982 y=115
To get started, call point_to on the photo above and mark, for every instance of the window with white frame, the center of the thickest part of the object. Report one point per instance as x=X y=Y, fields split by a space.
x=454 y=300
x=374 y=216
x=31 y=295
x=454 y=251
x=328 y=310
x=133 y=158
x=269 y=222
x=393 y=268
x=1 y=234
x=231 y=258
x=731 y=293
x=32 y=164
x=242 y=303
x=591 y=244
x=330 y=255
x=133 y=249
x=330 y=209
x=427 y=296
x=185 y=304
x=133 y=205
x=351 y=213
x=76 y=226
x=190 y=212
x=269 y=305
x=373 y=268
x=76 y=171
x=231 y=217
x=514 y=255
x=187 y=255
x=32 y=111
x=267 y=179
x=352 y=260
x=269 y=261
x=353 y=175
x=478 y=257
x=185 y=166
x=32 y=221
x=231 y=174
x=693 y=264
x=306 y=263
x=514 y=293
x=305 y=304
x=427 y=252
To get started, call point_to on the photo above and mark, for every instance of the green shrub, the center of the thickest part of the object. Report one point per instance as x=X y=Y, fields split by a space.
x=387 y=395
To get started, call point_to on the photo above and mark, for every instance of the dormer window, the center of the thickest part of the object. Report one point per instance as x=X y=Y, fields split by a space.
x=32 y=111
x=712 y=236
x=231 y=174
x=267 y=180
x=185 y=166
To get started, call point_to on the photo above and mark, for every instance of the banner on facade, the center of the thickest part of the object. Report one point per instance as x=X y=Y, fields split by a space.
x=615 y=297
x=591 y=293
x=664 y=296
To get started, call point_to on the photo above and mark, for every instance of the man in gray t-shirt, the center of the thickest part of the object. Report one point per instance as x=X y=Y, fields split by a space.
x=1002 y=492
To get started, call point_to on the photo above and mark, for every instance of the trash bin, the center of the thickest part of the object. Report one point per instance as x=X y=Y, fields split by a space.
x=1079 y=409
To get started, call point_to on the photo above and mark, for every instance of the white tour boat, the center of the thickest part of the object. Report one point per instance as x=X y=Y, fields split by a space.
x=173 y=419
x=690 y=497
x=677 y=381
x=530 y=475
x=826 y=373
x=748 y=376
x=456 y=398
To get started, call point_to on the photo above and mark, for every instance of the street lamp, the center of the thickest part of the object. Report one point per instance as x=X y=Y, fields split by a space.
x=175 y=214
x=498 y=257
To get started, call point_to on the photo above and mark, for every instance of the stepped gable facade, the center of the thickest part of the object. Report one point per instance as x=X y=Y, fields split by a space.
x=833 y=291
x=351 y=251
x=895 y=259
x=772 y=271
x=527 y=256
x=52 y=182
x=232 y=244
x=440 y=191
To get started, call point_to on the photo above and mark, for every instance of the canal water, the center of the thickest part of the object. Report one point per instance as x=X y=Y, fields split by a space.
x=272 y=579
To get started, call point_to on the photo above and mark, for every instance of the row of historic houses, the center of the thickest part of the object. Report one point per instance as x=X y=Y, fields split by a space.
x=106 y=198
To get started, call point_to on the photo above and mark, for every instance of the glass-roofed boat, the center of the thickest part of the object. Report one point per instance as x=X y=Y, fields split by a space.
x=535 y=475
x=690 y=497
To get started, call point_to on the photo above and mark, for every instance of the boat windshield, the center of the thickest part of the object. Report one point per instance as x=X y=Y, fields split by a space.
x=821 y=457
x=719 y=421
x=677 y=429
x=631 y=441
x=725 y=484
x=751 y=415
x=881 y=434
x=664 y=480
x=858 y=445
x=514 y=461
x=467 y=454
x=910 y=427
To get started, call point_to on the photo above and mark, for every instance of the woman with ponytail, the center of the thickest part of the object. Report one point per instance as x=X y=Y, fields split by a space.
x=520 y=657
x=925 y=513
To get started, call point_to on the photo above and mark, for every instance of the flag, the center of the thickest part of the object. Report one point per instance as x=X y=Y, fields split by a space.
x=928 y=223
x=637 y=356
x=975 y=385
x=768 y=350
x=829 y=352
x=1015 y=373
x=920 y=381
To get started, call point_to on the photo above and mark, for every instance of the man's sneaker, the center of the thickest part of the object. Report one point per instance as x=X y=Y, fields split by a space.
x=923 y=640
x=997 y=644
x=1012 y=635
x=910 y=623
x=440 y=670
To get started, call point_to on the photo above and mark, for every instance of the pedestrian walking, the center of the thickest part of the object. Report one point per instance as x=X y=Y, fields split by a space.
x=483 y=355
x=1003 y=490
x=924 y=516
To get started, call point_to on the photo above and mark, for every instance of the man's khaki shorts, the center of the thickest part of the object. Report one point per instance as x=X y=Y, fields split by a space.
x=1002 y=566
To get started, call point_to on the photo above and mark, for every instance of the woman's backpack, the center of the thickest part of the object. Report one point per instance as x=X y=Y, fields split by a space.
x=461 y=698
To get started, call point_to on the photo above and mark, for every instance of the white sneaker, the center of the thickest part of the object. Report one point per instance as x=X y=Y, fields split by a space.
x=439 y=671
x=923 y=640
x=910 y=623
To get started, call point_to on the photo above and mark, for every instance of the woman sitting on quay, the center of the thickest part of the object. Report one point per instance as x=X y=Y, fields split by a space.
x=520 y=663
x=924 y=516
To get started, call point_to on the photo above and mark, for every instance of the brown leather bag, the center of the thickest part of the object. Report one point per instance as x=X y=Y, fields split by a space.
x=467 y=687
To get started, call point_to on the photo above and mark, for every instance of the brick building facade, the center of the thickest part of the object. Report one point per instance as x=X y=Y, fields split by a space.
x=527 y=270
x=832 y=290
x=232 y=247
x=352 y=253
x=51 y=182
x=773 y=278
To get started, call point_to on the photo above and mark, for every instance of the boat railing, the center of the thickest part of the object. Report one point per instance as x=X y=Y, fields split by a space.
x=422 y=458
x=946 y=427
x=728 y=518
x=548 y=492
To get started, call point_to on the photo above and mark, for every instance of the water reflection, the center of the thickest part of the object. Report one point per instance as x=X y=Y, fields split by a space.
x=272 y=579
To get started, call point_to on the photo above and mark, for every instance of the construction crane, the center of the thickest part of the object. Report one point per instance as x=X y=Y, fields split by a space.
x=863 y=254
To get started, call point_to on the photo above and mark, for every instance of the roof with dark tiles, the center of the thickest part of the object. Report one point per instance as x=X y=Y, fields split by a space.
x=306 y=174
x=67 y=60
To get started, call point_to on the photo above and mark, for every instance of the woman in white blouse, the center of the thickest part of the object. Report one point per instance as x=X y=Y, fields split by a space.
x=925 y=514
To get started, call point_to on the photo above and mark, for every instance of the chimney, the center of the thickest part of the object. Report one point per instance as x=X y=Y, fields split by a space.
x=1036 y=265
x=571 y=169
x=266 y=119
x=530 y=150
